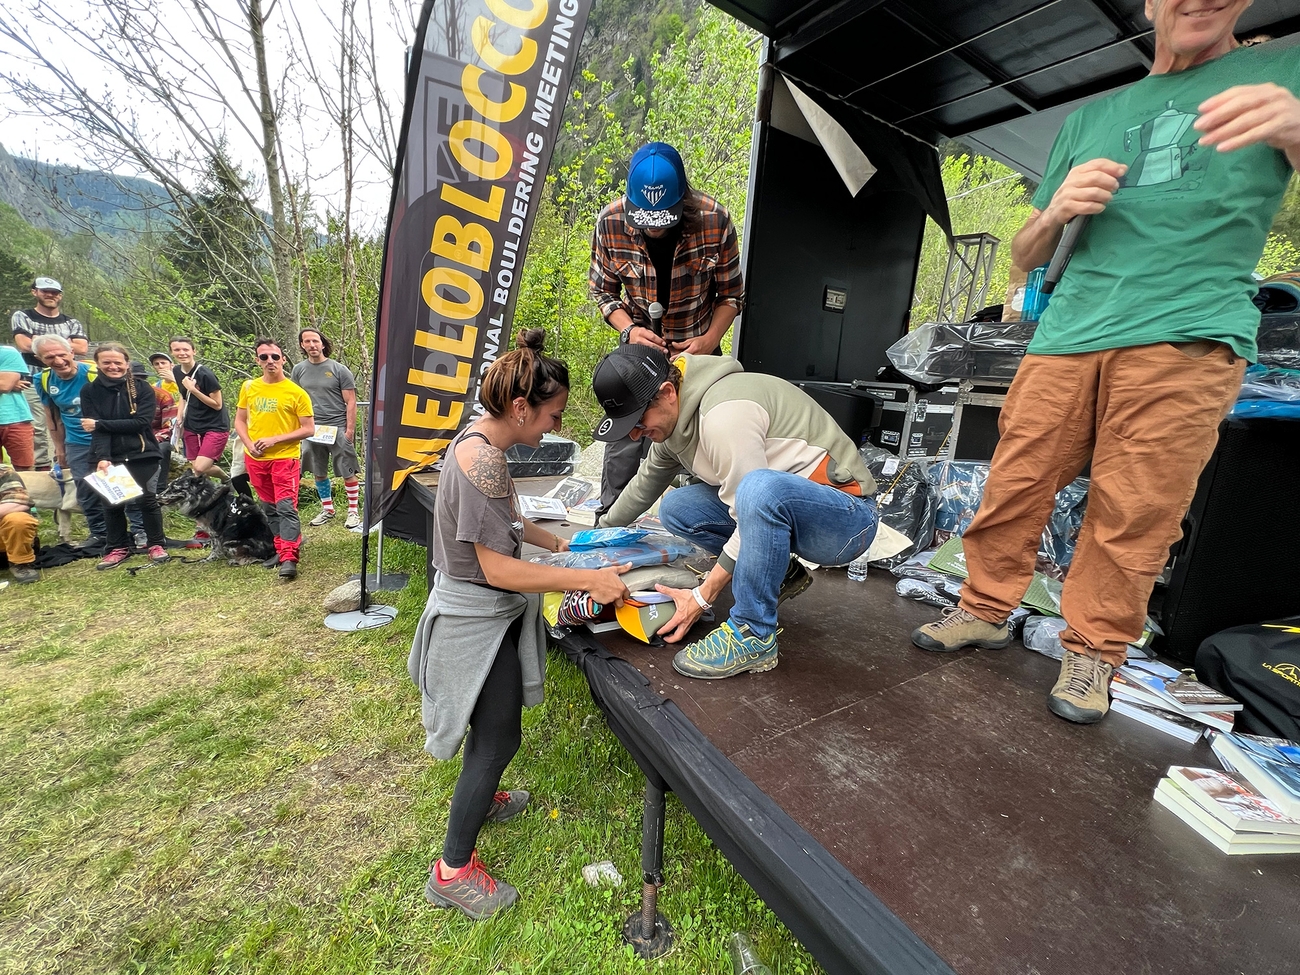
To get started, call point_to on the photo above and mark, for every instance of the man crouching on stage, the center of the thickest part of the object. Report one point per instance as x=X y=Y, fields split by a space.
x=773 y=468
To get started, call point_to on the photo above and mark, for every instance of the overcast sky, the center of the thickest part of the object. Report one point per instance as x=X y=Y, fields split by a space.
x=298 y=28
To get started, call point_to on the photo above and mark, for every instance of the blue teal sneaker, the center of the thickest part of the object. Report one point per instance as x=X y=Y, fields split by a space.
x=727 y=651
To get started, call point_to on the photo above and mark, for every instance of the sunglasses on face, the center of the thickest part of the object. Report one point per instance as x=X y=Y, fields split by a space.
x=273 y=356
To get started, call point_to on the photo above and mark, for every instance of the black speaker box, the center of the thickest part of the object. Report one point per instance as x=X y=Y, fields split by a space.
x=1239 y=559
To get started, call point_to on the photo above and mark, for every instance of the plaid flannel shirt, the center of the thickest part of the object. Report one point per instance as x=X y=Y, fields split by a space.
x=706 y=271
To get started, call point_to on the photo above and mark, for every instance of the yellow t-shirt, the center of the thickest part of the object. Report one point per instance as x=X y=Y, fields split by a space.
x=274 y=409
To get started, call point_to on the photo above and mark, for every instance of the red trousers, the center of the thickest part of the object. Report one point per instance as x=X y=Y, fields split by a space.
x=1148 y=417
x=276 y=483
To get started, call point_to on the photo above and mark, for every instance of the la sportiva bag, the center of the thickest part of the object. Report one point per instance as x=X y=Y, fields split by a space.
x=1259 y=665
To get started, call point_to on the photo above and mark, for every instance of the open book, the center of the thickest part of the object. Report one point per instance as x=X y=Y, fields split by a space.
x=115 y=485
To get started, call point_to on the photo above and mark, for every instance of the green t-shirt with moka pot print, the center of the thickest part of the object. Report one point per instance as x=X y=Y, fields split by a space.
x=1171 y=256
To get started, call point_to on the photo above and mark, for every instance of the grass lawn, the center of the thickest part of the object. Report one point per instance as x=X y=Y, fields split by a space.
x=198 y=776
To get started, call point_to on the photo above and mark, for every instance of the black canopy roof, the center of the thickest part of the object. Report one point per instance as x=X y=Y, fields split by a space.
x=1000 y=74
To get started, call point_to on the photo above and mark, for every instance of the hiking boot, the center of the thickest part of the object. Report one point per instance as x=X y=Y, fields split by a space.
x=470 y=890
x=958 y=629
x=272 y=563
x=288 y=570
x=94 y=541
x=797 y=579
x=24 y=574
x=114 y=558
x=1081 y=693
x=200 y=540
x=506 y=806
x=321 y=518
x=158 y=554
x=354 y=520
x=727 y=651
x=141 y=540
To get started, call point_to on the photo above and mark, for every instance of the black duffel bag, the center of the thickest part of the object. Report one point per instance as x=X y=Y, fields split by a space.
x=1259 y=665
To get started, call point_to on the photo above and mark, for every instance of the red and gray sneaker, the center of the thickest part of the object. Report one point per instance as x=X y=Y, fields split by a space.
x=114 y=558
x=506 y=806
x=469 y=889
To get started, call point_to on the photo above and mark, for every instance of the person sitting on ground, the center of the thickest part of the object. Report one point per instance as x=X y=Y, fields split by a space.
x=61 y=386
x=274 y=417
x=333 y=392
x=17 y=527
x=117 y=409
x=1141 y=352
x=773 y=468
x=479 y=651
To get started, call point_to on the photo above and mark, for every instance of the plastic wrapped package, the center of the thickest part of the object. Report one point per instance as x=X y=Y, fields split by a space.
x=1043 y=634
x=1269 y=391
x=1278 y=341
x=606 y=537
x=651 y=550
x=935 y=353
x=959 y=487
x=924 y=592
x=1062 y=531
x=554 y=457
x=906 y=501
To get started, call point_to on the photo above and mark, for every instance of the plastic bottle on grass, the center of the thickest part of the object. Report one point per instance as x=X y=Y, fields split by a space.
x=745 y=960
x=858 y=568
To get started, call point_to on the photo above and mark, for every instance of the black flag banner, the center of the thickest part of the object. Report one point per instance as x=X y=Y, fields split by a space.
x=486 y=86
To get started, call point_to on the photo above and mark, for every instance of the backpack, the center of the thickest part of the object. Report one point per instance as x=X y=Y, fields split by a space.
x=91 y=373
x=1259 y=665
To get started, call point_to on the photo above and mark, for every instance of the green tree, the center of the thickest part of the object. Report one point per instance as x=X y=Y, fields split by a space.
x=984 y=196
x=220 y=249
x=15 y=284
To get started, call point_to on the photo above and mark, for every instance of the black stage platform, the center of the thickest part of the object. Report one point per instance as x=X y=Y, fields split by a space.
x=988 y=836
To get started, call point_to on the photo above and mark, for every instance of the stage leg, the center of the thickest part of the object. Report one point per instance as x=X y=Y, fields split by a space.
x=648 y=931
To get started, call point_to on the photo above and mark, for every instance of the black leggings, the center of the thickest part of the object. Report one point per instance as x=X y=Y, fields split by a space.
x=495 y=733
x=115 y=515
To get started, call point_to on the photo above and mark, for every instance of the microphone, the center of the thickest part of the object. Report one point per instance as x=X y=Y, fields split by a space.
x=1064 y=251
x=656 y=311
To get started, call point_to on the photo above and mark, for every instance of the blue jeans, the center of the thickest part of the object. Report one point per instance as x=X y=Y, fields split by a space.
x=78 y=457
x=779 y=514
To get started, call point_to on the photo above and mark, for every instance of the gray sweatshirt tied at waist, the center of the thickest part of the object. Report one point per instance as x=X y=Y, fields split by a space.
x=455 y=643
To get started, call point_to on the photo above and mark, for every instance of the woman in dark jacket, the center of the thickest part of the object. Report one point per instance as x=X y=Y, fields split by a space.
x=118 y=410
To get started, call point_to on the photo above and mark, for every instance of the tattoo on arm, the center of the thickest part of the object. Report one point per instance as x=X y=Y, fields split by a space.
x=487 y=470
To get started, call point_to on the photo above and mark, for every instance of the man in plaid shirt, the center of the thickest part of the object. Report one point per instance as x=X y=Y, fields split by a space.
x=664 y=244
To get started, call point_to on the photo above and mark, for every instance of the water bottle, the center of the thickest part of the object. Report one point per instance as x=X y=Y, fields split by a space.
x=858 y=568
x=745 y=960
x=1035 y=300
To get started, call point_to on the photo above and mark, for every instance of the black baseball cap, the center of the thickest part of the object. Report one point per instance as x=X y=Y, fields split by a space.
x=625 y=382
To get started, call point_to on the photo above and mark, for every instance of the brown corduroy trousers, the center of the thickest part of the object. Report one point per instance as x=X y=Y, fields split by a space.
x=1148 y=418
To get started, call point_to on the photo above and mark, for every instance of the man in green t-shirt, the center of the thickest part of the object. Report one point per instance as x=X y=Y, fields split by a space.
x=1140 y=354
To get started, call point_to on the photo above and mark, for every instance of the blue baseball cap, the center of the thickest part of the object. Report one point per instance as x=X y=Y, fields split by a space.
x=656 y=187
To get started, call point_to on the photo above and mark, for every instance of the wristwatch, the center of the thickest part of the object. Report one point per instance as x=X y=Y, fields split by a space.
x=625 y=336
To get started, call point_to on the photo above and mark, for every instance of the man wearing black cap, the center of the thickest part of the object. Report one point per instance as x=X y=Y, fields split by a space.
x=665 y=273
x=771 y=466
x=45 y=318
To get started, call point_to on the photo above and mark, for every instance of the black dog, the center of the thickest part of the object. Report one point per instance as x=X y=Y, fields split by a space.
x=236 y=523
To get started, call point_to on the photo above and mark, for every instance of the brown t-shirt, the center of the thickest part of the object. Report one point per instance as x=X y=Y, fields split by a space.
x=464 y=515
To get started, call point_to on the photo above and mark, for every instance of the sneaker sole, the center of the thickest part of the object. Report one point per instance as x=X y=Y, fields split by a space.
x=791 y=593
x=925 y=642
x=1072 y=713
x=438 y=899
x=758 y=668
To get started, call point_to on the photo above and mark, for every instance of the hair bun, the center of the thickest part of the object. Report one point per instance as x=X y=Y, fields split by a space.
x=531 y=338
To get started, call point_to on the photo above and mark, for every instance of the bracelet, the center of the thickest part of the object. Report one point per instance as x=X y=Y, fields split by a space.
x=557 y=542
x=704 y=604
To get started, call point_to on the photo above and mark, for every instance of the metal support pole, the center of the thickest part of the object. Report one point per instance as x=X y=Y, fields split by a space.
x=648 y=931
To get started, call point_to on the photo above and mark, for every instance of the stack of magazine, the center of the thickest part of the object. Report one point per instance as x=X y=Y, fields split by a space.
x=1169 y=700
x=1251 y=807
